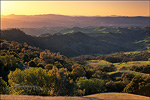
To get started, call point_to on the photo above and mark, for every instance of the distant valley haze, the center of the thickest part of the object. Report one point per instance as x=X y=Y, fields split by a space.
x=53 y=20
x=69 y=14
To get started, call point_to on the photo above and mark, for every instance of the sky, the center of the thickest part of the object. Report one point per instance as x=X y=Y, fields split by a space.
x=77 y=8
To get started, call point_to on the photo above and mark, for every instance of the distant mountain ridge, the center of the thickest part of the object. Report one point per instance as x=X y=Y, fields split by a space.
x=52 y=20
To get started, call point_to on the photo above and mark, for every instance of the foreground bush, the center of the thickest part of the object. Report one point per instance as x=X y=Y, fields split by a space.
x=91 y=86
x=54 y=82
x=8 y=63
x=2 y=85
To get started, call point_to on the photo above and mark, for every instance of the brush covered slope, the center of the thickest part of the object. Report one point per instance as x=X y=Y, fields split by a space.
x=78 y=43
x=52 y=74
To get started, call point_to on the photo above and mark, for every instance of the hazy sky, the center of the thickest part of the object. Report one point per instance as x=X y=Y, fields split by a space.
x=85 y=8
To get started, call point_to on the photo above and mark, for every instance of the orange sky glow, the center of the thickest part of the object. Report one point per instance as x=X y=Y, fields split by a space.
x=76 y=8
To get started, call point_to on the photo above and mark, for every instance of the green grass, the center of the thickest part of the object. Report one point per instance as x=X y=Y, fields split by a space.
x=98 y=63
x=130 y=64
x=126 y=65
x=121 y=67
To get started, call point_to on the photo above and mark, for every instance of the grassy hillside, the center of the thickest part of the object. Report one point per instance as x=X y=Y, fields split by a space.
x=129 y=64
x=101 y=96
x=97 y=63
x=126 y=65
x=117 y=96
x=120 y=67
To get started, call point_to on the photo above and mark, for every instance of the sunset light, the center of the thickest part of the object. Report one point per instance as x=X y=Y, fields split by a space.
x=77 y=8
x=75 y=49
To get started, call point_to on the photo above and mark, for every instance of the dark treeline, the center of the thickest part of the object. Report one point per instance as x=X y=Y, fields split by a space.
x=121 y=57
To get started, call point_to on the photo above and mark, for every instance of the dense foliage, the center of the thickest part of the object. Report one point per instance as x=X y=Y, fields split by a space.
x=29 y=70
x=139 y=85
x=3 y=85
x=54 y=82
x=142 y=69
x=91 y=86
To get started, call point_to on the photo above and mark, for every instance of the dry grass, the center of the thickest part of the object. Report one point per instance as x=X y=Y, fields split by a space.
x=101 y=96
x=29 y=97
x=118 y=96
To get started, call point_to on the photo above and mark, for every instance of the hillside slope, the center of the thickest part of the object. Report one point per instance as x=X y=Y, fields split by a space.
x=78 y=43
x=101 y=96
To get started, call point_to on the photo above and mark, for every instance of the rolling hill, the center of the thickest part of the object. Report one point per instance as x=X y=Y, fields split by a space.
x=101 y=96
x=78 y=43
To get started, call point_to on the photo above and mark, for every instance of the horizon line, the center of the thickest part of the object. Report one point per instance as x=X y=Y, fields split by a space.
x=75 y=15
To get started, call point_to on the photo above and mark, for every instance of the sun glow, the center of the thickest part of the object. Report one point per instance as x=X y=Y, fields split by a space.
x=4 y=6
x=85 y=8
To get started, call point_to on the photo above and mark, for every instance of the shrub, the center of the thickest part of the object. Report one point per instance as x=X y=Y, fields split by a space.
x=58 y=64
x=8 y=63
x=117 y=86
x=40 y=65
x=127 y=77
x=91 y=85
x=3 y=84
x=32 y=77
x=62 y=85
x=54 y=82
x=139 y=85
x=89 y=71
x=101 y=75
x=109 y=68
x=32 y=63
x=78 y=70
x=49 y=66
x=142 y=69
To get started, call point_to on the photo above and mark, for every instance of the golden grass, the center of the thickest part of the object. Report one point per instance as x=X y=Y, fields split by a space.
x=30 y=97
x=118 y=96
x=100 y=96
